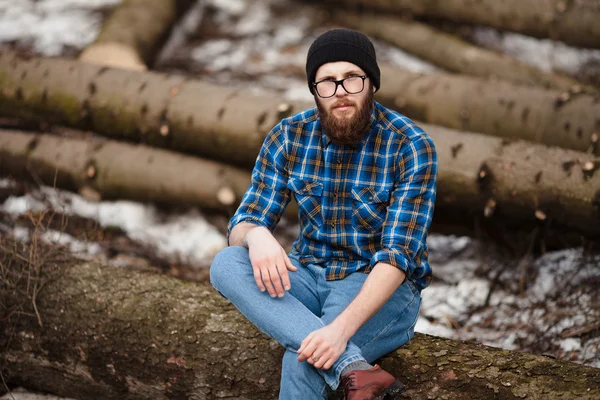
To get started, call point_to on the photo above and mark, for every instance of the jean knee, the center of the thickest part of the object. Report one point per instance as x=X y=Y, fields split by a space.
x=226 y=263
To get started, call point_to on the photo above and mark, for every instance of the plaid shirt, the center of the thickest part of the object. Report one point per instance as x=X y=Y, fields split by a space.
x=358 y=205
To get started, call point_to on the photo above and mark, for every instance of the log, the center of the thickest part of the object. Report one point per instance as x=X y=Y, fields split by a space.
x=114 y=333
x=567 y=119
x=450 y=52
x=573 y=22
x=157 y=109
x=133 y=34
x=116 y=170
x=510 y=182
x=229 y=125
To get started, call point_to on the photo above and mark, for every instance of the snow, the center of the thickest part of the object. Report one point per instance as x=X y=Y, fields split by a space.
x=186 y=237
x=50 y=25
x=546 y=54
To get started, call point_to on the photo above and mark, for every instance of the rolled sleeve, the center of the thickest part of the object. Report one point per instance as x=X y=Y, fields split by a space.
x=410 y=212
x=268 y=195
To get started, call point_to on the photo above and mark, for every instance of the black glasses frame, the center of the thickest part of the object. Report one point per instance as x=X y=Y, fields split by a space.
x=338 y=83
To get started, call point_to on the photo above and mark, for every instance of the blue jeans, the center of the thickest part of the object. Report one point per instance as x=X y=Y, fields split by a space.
x=312 y=303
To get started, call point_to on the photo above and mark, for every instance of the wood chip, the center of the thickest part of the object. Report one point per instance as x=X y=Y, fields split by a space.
x=588 y=166
x=283 y=108
x=490 y=207
x=164 y=130
x=539 y=214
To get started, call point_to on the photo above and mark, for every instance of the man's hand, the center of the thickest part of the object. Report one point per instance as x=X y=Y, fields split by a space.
x=323 y=347
x=269 y=262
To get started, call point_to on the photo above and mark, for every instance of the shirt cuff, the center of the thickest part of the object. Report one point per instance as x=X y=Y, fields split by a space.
x=394 y=258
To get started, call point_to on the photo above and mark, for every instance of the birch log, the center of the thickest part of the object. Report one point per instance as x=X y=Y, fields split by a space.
x=132 y=35
x=450 y=52
x=113 y=333
x=567 y=119
x=116 y=170
x=168 y=111
x=573 y=22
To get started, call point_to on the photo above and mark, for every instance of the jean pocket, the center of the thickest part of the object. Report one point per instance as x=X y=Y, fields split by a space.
x=369 y=207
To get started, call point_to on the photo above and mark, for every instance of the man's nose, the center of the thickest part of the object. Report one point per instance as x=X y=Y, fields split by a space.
x=340 y=91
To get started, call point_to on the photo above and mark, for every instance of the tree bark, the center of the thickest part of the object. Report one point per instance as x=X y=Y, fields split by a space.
x=113 y=333
x=132 y=35
x=567 y=119
x=450 y=52
x=509 y=182
x=573 y=22
x=161 y=110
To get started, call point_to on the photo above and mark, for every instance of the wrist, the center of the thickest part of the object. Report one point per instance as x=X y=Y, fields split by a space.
x=248 y=237
x=344 y=326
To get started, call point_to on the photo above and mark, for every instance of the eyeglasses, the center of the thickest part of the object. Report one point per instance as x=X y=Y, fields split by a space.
x=352 y=85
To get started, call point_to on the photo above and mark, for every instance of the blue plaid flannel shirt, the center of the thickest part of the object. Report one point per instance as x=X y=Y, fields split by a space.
x=358 y=205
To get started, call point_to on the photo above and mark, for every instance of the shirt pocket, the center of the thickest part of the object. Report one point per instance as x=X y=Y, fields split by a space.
x=369 y=207
x=308 y=195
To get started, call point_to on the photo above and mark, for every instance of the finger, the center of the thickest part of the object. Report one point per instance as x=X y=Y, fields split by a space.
x=302 y=355
x=308 y=351
x=258 y=279
x=276 y=280
x=288 y=263
x=328 y=364
x=321 y=358
x=266 y=279
x=285 y=278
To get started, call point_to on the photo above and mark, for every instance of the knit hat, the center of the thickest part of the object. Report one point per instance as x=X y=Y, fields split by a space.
x=342 y=45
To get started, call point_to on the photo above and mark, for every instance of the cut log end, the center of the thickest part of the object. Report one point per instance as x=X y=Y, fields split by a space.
x=226 y=196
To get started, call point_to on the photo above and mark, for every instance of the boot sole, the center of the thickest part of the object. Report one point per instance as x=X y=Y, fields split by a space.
x=391 y=391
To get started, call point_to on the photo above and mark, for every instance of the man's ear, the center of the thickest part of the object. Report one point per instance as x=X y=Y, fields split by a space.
x=374 y=89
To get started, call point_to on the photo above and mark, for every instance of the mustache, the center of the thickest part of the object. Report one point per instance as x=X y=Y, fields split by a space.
x=341 y=103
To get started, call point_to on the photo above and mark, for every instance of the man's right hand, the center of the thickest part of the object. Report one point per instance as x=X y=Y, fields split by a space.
x=269 y=262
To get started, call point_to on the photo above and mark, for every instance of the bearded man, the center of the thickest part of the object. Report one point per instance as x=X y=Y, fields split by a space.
x=364 y=178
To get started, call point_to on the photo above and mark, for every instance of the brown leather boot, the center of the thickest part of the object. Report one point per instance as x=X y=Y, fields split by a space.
x=370 y=384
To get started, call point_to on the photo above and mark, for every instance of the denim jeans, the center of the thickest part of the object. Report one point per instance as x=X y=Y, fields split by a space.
x=312 y=303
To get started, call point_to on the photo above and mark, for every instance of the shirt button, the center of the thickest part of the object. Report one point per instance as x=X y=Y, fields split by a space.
x=335 y=194
x=339 y=160
x=332 y=224
x=370 y=198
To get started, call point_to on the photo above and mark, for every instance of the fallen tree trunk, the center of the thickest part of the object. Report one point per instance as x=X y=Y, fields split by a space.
x=118 y=170
x=113 y=333
x=108 y=169
x=228 y=125
x=573 y=22
x=145 y=107
x=566 y=119
x=131 y=37
x=450 y=52
x=479 y=175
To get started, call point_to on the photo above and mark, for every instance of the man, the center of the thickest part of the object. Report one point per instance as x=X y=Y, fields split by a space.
x=364 y=178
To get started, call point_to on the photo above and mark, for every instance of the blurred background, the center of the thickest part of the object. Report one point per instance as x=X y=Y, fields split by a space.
x=512 y=91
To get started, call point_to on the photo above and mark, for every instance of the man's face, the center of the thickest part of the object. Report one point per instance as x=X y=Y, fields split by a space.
x=345 y=117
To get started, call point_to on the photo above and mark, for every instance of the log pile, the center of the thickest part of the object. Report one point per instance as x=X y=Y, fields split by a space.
x=516 y=146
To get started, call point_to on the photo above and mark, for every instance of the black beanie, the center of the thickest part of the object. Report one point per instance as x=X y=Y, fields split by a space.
x=342 y=45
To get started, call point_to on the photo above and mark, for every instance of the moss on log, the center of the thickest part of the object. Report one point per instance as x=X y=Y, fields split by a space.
x=114 y=333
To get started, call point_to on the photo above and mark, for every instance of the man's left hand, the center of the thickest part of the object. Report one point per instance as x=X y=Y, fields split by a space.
x=322 y=347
